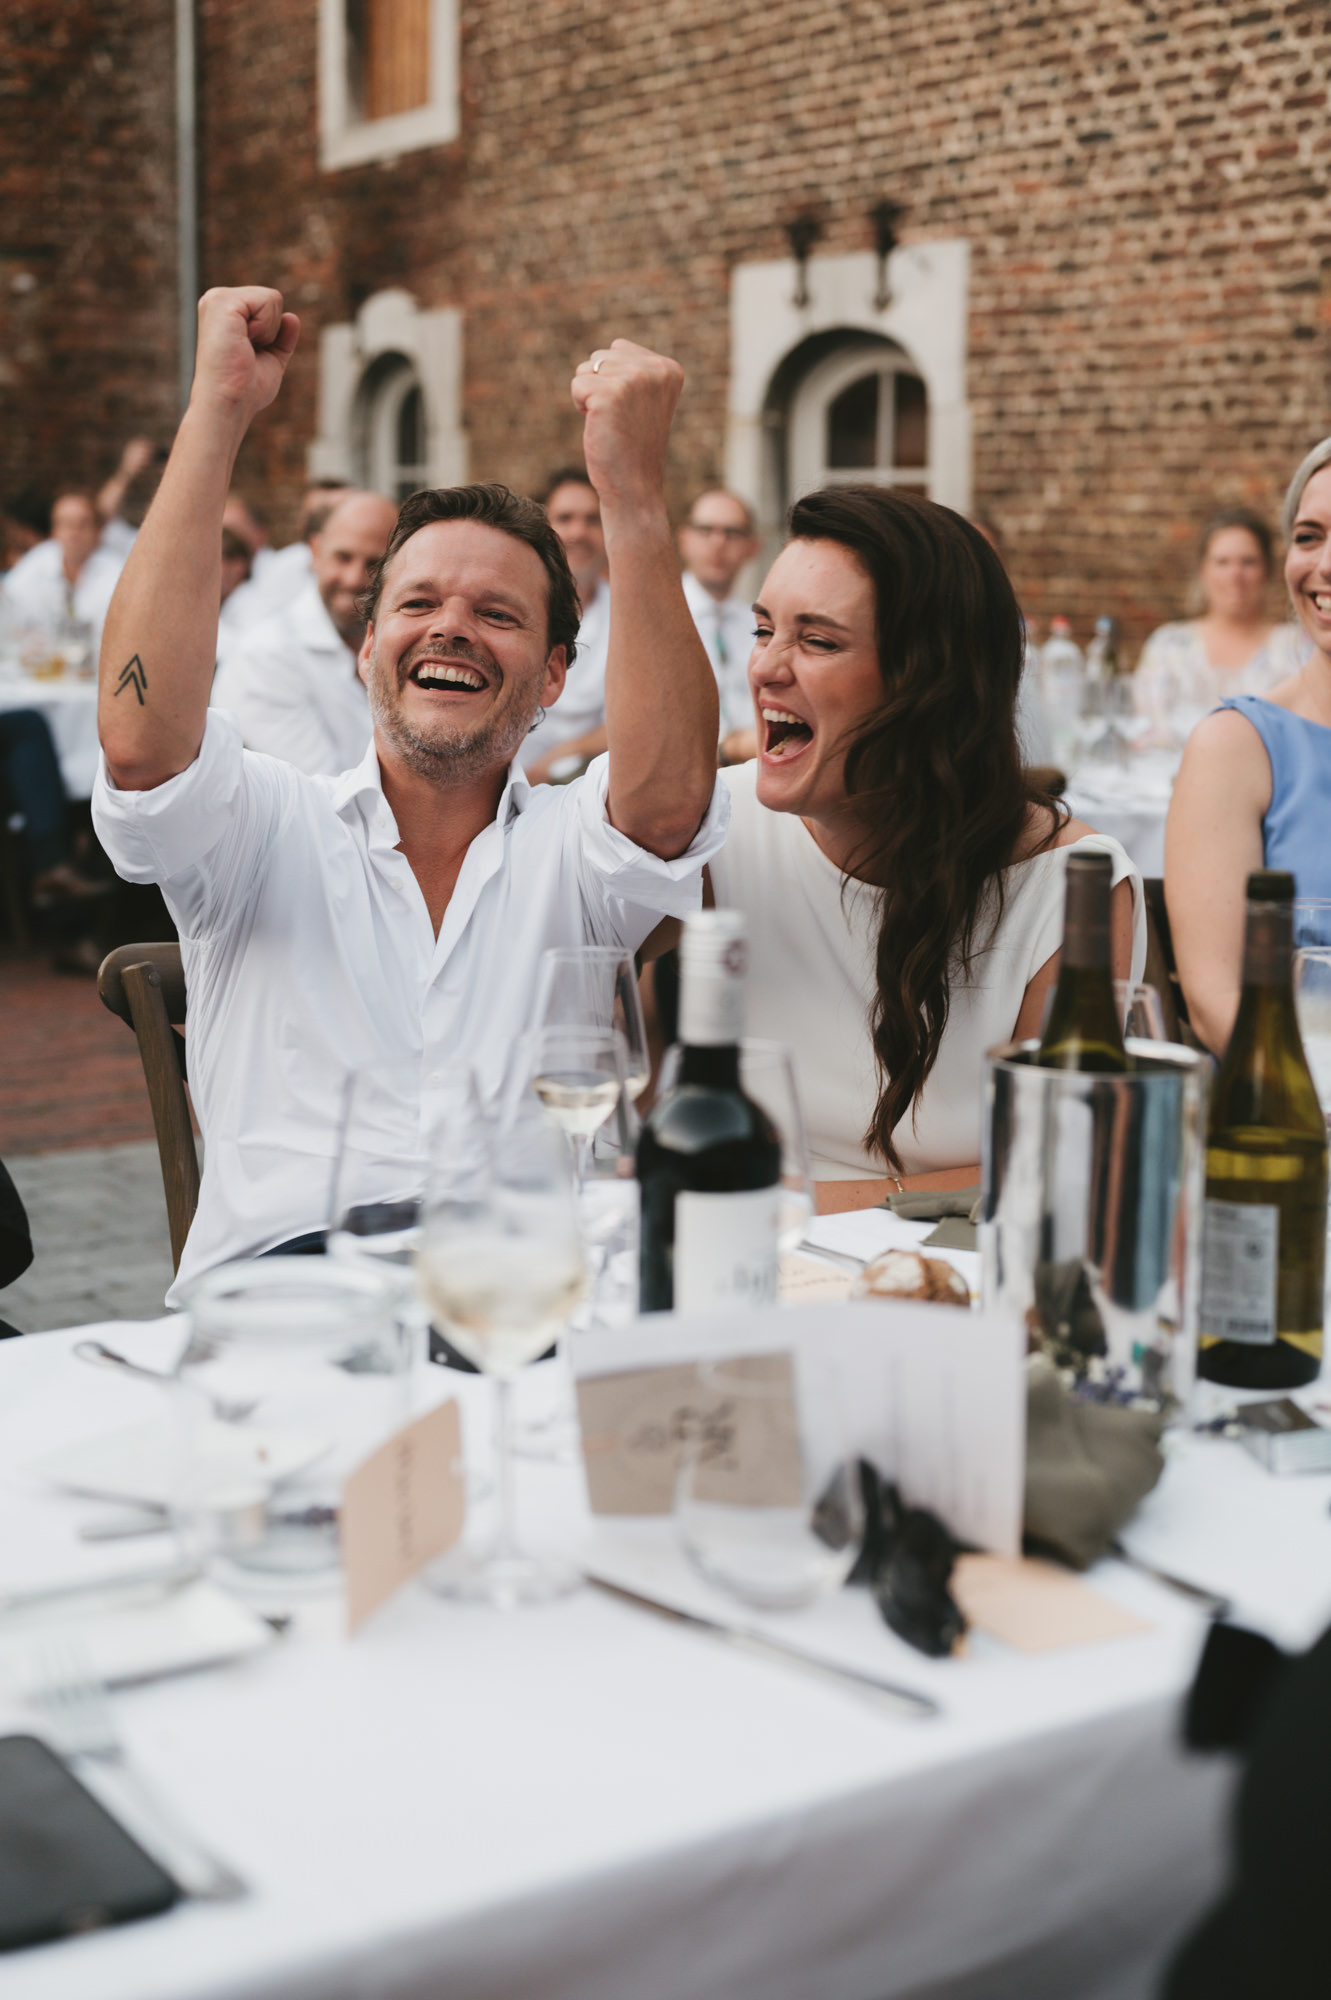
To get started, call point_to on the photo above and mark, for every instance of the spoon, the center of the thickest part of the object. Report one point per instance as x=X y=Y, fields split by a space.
x=99 y=1355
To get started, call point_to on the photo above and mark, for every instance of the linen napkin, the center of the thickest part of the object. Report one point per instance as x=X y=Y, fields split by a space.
x=955 y=1210
x=1087 y=1467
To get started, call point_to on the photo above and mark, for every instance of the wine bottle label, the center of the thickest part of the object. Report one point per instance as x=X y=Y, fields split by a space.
x=725 y=1249
x=1240 y=1257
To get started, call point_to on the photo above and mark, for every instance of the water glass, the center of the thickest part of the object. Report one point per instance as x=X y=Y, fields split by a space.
x=295 y=1370
x=759 y=1514
x=1312 y=998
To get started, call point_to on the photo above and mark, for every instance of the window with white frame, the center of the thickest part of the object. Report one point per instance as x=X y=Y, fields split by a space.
x=387 y=78
x=392 y=456
x=861 y=414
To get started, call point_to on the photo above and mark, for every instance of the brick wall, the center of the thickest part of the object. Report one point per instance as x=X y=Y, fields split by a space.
x=1144 y=189
x=87 y=236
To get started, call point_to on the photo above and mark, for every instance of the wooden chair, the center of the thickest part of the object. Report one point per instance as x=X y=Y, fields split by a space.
x=145 y=985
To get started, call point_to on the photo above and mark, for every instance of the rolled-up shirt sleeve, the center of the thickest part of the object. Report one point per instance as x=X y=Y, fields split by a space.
x=629 y=880
x=202 y=835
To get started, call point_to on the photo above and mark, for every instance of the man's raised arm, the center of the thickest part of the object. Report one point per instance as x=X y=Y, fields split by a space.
x=660 y=693
x=159 y=643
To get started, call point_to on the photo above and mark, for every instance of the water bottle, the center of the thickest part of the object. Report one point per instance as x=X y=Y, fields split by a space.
x=1061 y=672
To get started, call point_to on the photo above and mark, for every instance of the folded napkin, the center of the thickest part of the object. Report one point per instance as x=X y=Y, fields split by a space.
x=955 y=1210
x=1087 y=1467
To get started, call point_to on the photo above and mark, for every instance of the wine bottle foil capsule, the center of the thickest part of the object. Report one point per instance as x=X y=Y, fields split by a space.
x=1091 y=1214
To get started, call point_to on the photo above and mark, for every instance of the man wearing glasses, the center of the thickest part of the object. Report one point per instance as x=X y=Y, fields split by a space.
x=716 y=542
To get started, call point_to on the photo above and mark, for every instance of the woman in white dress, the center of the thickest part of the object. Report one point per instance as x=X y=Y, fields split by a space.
x=1235 y=647
x=902 y=881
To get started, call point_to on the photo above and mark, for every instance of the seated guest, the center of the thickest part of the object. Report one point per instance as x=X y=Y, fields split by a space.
x=1235 y=647
x=1254 y=788
x=396 y=914
x=69 y=578
x=291 y=681
x=25 y=520
x=573 y=729
x=278 y=575
x=903 y=882
x=715 y=542
x=113 y=499
x=31 y=788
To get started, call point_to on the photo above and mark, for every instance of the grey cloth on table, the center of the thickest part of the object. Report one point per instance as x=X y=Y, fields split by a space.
x=1087 y=1467
x=955 y=1210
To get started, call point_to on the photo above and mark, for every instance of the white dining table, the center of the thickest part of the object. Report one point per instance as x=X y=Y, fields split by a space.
x=70 y=708
x=589 y=1802
x=1129 y=801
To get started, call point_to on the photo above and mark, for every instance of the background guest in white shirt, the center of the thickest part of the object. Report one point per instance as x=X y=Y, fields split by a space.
x=276 y=575
x=573 y=730
x=396 y=914
x=291 y=680
x=715 y=542
x=70 y=578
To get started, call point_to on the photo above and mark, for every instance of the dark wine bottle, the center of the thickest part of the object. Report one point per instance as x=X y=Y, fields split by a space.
x=709 y=1158
x=1084 y=1031
x=1264 y=1241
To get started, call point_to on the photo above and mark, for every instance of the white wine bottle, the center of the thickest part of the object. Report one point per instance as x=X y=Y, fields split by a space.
x=1264 y=1242
x=1083 y=1030
x=709 y=1158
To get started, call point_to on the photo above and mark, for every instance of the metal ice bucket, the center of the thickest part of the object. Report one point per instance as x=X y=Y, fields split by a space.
x=1091 y=1213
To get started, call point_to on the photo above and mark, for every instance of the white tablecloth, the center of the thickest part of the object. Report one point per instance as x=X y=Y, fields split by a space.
x=587 y=1803
x=1130 y=802
x=71 y=709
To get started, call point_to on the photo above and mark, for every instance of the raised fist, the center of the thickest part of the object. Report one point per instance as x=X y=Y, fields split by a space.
x=627 y=397
x=245 y=343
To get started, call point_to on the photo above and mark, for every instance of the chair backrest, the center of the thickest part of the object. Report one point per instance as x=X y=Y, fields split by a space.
x=145 y=985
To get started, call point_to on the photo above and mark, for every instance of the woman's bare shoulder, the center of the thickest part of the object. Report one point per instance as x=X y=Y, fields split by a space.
x=1044 y=830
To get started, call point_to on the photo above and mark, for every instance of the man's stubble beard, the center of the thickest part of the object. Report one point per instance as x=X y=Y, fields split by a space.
x=451 y=759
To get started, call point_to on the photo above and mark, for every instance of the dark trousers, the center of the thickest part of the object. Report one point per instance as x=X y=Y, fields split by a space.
x=30 y=784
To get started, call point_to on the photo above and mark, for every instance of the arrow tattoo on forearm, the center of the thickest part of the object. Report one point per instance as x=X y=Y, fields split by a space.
x=132 y=675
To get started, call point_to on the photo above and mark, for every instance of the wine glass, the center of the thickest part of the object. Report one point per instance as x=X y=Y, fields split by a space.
x=500 y=1260
x=1312 y=999
x=595 y=986
x=578 y=1074
x=1312 y=921
x=382 y=1162
x=767 y=1075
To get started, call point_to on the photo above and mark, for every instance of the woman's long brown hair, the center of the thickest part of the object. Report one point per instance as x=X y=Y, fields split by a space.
x=935 y=772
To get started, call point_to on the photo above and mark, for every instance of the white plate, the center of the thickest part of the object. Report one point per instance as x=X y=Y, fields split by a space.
x=141 y=1463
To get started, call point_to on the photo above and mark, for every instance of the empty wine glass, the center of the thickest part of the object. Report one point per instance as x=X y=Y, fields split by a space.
x=1312 y=998
x=382 y=1162
x=1140 y=1011
x=767 y=1075
x=500 y=1261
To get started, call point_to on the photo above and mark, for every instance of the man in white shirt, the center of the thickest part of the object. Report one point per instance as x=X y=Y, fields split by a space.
x=397 y=913
x=291 y=680
x=715 y=542
x=68 y=579
x=573 y=731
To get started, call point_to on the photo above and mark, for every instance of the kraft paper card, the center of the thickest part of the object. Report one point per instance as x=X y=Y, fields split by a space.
x=933 y=1395
x=739 y=1421
x=400 y=1509
x=802 y=1280
x=1035 y=1606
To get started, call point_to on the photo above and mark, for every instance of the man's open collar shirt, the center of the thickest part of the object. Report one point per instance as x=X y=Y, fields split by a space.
x=309 y=951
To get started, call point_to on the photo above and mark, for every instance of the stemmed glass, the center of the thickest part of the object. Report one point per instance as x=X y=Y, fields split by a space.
x=1312 y=999
x=588 y=1040
x=500 y=1260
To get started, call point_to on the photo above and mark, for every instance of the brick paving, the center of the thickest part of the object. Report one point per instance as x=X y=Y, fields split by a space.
x=77 y=1136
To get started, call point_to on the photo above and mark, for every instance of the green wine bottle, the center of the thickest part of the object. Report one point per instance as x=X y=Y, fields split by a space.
x=1264 y=1241
x=1083 y=1030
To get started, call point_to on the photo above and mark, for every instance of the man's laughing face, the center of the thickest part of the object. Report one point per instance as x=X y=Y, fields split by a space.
x=457 y=661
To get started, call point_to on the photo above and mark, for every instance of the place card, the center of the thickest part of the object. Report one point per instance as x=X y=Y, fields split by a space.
x=1036 y=1607
x=933 y=1395
x=804 y=1280
x=401 y=1508
x=635 y=1427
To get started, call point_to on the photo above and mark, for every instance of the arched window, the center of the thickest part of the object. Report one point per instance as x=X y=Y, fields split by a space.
x=860 y=414
x=393 y=450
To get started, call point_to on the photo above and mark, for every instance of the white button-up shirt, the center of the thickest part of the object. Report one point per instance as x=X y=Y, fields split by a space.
x=581 y=706
x=726 y=630
x=309 y=951
x=38 y=592
x=291 y=684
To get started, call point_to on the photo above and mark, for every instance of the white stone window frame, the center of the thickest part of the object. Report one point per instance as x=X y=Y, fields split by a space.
x=807 y=428
x=348 y=140
x=391 y=323
x=926 y=317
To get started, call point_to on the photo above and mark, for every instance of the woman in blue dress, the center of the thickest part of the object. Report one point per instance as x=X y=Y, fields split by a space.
x=1254 y=789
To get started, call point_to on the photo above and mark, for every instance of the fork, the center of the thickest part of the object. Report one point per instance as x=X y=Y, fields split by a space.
x=72 y=1698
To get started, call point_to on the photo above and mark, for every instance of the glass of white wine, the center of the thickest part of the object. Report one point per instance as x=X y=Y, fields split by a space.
x=589 y=990
x=500 y=1263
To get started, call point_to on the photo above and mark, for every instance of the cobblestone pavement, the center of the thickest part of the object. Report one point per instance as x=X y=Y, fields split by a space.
x=99 y=1230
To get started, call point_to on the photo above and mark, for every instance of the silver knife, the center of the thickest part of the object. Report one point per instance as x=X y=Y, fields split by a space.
x=889 y=1694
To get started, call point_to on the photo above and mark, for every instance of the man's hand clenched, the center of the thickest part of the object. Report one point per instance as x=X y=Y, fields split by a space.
x=245 y=343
